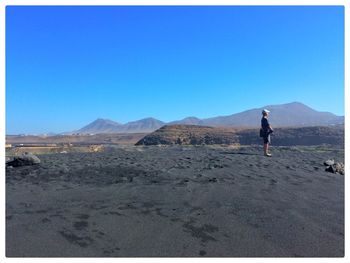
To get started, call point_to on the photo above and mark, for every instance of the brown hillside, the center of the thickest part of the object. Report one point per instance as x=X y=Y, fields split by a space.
x=198 y=135
x=190 y=134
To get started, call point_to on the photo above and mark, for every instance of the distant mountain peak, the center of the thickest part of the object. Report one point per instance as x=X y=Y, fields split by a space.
x=290 y=104
x=294 y=103
x=104 y=120
x=144 y=125
x=100 y=126
x=188 y=121
x=148 y=119
x=191 y=118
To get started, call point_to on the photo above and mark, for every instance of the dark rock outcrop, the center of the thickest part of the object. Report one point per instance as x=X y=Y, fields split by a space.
x=197 y=135
x=189 y=135
x=23 y=160
x=334 y=167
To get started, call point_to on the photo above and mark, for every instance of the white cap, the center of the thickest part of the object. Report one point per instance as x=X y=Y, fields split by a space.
x=265 y=111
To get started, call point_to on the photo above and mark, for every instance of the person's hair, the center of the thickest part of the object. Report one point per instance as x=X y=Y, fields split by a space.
x=264 y=113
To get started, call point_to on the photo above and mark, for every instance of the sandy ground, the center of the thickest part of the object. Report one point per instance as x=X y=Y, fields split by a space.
x=177 y=202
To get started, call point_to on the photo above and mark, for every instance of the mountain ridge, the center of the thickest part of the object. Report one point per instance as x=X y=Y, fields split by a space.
x=292 y=114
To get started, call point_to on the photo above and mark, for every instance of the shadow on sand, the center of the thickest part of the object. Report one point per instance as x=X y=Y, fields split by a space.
x=240 y=153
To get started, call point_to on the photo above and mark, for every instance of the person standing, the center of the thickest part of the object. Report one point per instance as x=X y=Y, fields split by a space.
x=266 y=131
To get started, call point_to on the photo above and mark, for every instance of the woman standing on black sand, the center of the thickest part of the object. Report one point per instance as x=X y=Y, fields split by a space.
x=266 y=130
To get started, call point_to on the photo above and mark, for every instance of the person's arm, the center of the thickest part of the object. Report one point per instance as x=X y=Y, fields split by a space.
x=269 y=126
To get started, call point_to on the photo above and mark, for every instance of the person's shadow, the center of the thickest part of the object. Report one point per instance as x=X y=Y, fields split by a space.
x=239 y=153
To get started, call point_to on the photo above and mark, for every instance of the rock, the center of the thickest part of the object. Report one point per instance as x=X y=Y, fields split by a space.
x=339 y=168
x=329 y=162
x=30 y=158
x=335 y=168
x=330 y=169
x=24 y=159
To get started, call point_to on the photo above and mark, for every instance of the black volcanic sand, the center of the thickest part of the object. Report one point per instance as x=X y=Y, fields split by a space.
x=177 y=201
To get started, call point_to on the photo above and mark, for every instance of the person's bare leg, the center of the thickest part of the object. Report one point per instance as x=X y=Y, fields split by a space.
x=266 y=149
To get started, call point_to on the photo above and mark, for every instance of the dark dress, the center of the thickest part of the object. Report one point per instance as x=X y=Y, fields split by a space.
x=266 y=130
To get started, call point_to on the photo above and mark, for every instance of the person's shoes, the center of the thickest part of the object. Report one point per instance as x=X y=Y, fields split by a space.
x=268 y=154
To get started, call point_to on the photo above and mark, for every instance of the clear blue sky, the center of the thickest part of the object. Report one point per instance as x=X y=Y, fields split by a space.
x=67 y=66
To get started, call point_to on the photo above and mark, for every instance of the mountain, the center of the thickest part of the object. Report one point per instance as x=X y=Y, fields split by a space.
x=283 y=115
x=144 y=125
x=100 y=126
x=293 y=114
x=108 y=126
x=188 y=121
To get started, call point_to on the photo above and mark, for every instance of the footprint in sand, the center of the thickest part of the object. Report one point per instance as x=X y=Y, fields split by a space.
x=273 y=182
x=82 y=216
x=80 y=225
